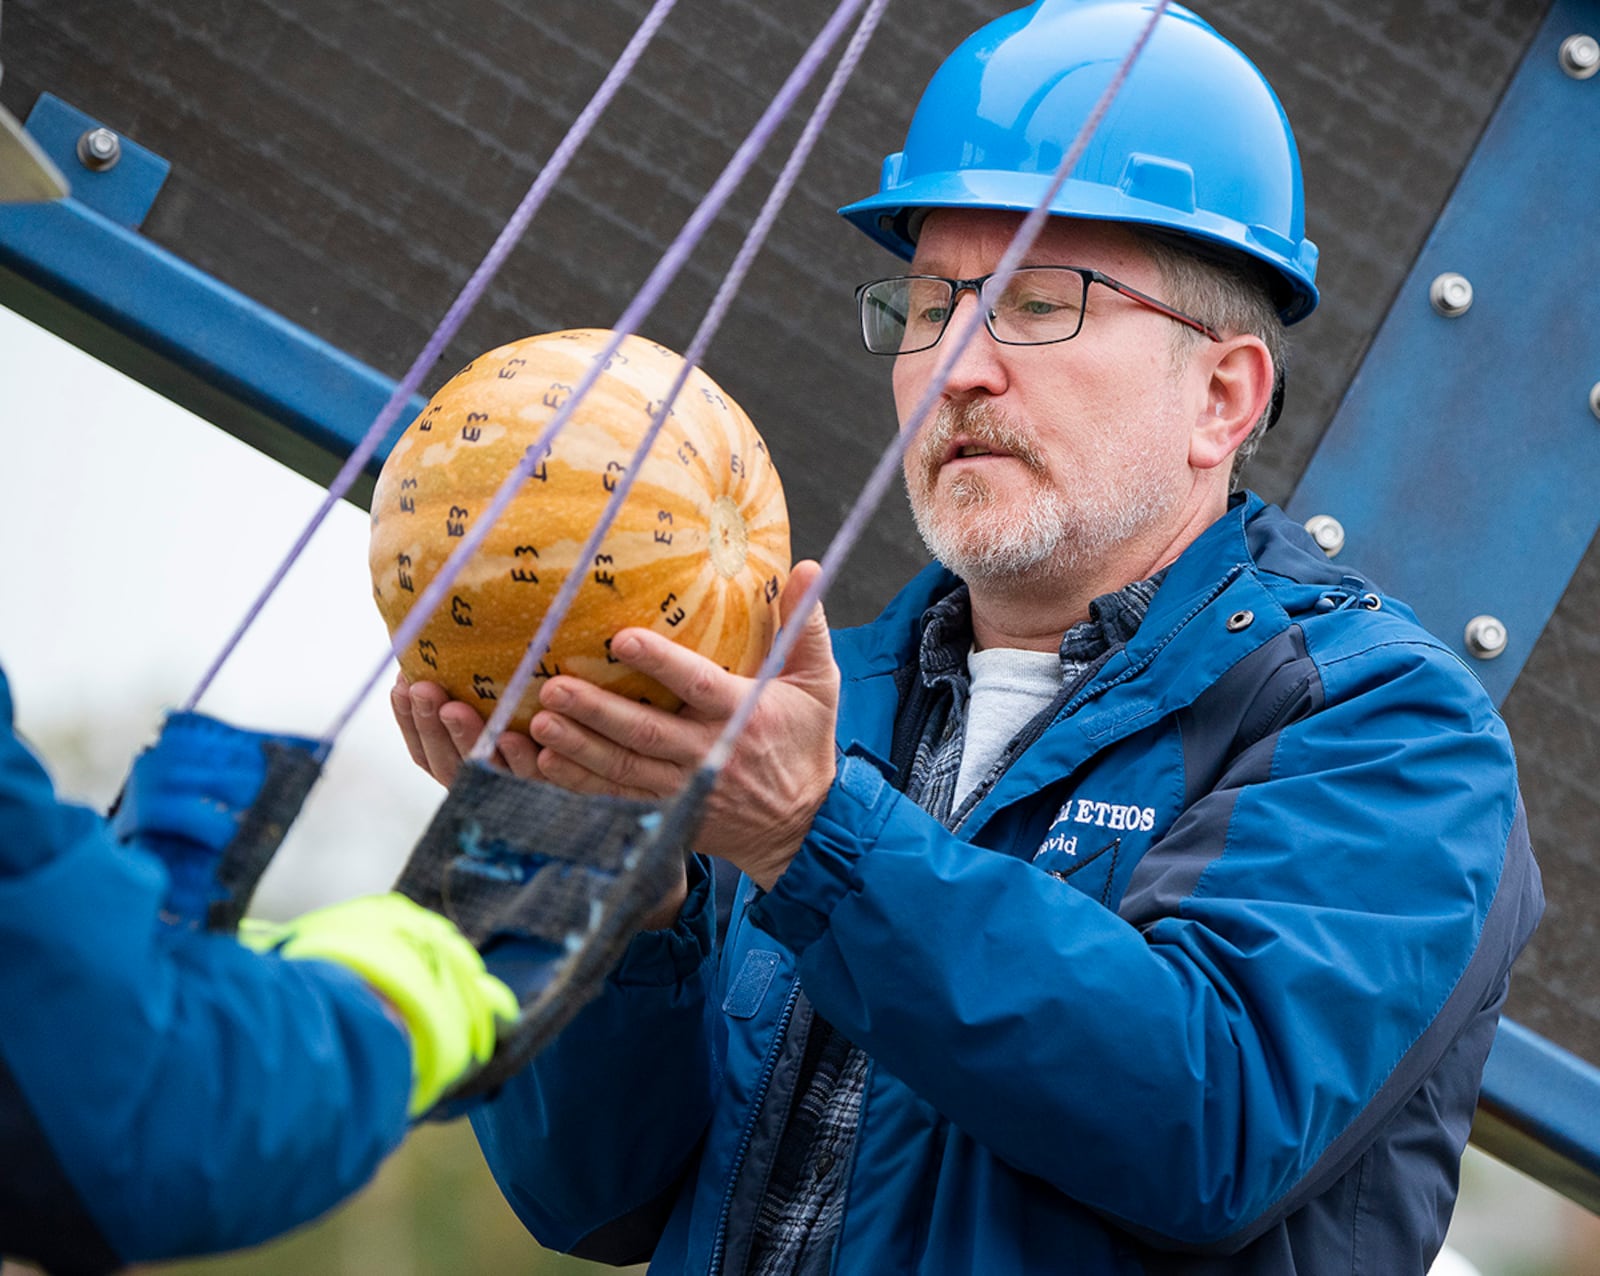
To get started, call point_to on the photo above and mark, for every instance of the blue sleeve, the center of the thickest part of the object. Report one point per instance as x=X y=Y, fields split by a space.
x=164 y=1092
x=590 y=1141
x=1310 y=937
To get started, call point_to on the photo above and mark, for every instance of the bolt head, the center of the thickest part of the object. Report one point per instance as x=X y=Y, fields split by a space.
x=1580 y=56
x=99 y=149
x=1486 y=637
x=1450 y=294
x=1327 y=531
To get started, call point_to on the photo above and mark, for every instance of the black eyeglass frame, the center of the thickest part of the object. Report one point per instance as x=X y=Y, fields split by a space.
x=975 y=286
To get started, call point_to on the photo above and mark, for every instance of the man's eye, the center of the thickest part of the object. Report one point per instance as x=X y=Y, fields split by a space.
x=933 y=314
x=1040 y=305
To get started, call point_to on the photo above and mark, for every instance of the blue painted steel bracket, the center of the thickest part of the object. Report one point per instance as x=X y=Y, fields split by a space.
x=245 y=368
x=1464 y=466
x=124 y=191
x=1464 y=461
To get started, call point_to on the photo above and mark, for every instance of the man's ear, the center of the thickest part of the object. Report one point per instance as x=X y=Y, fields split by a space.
x=1238 y=389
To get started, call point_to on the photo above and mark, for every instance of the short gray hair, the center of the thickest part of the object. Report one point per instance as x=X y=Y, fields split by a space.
x=1231 y=294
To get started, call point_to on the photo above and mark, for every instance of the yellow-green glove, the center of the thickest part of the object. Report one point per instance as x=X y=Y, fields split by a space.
x=421 y=964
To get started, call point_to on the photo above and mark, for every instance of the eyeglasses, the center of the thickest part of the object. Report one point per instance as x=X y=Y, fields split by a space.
x=1039 y=305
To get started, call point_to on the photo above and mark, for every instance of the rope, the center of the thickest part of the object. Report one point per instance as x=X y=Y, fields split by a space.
x=714 y=316
x=644 y=301
x=468 y=298
x=877 y=484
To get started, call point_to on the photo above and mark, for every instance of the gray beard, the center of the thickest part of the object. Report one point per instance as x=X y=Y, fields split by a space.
x=1052 y=535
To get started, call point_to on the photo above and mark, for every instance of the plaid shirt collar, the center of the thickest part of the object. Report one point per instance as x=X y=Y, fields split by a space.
x=947 y=631
x=942 y=659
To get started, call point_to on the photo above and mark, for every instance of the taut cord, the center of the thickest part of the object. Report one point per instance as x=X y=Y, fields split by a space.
x=464 y=303
x=714 y=316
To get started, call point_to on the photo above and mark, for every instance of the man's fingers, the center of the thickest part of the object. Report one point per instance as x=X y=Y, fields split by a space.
x=711 y=691
x=625 y=768
x=564 y=773
x=520 y=754
x=400 y=705
x=626 y=724
x=440 y=757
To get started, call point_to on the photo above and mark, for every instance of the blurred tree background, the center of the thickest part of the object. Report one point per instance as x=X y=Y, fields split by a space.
x=433 y=1210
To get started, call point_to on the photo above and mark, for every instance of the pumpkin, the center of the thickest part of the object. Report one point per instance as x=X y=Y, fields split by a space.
x=698 y=551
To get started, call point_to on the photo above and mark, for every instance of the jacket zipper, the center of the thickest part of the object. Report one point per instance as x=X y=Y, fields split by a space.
x=760 y=1098
x=1073 y=699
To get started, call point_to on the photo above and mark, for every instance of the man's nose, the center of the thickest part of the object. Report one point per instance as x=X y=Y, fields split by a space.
x=980 y=367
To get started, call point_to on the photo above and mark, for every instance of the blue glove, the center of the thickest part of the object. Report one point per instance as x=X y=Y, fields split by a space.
x=213 y=802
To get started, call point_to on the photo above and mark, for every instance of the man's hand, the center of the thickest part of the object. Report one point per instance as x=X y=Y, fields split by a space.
x=421 y=965
x=593 y=741
x=440 y=732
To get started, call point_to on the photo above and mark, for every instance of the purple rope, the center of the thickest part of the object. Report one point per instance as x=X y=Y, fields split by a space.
x=468 y=298
x=714 y=316
x=882 y=475
x=644 y=301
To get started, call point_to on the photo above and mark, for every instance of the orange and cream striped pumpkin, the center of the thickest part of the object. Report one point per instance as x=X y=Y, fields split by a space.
x=699 y=550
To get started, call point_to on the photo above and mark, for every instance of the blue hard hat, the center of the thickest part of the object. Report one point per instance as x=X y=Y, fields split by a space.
x=1196 y=142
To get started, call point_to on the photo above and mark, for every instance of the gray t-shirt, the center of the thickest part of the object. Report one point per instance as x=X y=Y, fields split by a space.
x=1007 y=687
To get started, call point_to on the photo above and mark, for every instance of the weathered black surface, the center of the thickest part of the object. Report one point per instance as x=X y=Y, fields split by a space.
x=348 y=162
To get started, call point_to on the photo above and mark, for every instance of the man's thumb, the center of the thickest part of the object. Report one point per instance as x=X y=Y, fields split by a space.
x=812 y=651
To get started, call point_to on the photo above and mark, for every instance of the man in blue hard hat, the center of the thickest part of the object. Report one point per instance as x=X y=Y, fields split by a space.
x=1139 y=892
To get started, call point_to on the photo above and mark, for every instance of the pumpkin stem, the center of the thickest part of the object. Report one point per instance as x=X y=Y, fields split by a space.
x=730 y=541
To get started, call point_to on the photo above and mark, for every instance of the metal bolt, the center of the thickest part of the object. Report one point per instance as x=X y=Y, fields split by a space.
x=1486 y=637
x=1327 y=531
x=1594 y=398
x=99 y=149
x=1451 y=294
x=1580 y=56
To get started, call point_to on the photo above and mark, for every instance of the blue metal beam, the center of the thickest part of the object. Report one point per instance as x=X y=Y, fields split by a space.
x=1539 y=1110
x=1464 y=460
x=1463 y=465
x=246 y=369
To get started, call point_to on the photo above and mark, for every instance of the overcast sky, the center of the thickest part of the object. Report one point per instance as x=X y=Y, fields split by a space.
x=133 y=536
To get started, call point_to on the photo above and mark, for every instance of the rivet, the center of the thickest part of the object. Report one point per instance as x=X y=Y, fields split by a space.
x=1327 y=531
x=1580 y=56
x=1241 y=620
x=99 y=149
x=1594 y=398
x=1486 y=637
x=1450 y=294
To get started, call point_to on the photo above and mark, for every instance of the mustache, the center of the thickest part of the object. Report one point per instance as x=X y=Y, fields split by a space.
x=978 y=422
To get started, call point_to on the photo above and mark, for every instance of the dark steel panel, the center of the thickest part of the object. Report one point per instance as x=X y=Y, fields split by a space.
x=347 y=163
x=1554 y=715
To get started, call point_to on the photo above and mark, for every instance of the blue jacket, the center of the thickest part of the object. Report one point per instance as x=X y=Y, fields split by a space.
x=163 y=1091
x=1205 y=984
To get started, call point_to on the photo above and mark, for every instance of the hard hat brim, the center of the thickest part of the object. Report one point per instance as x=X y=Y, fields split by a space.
x=888 y=218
